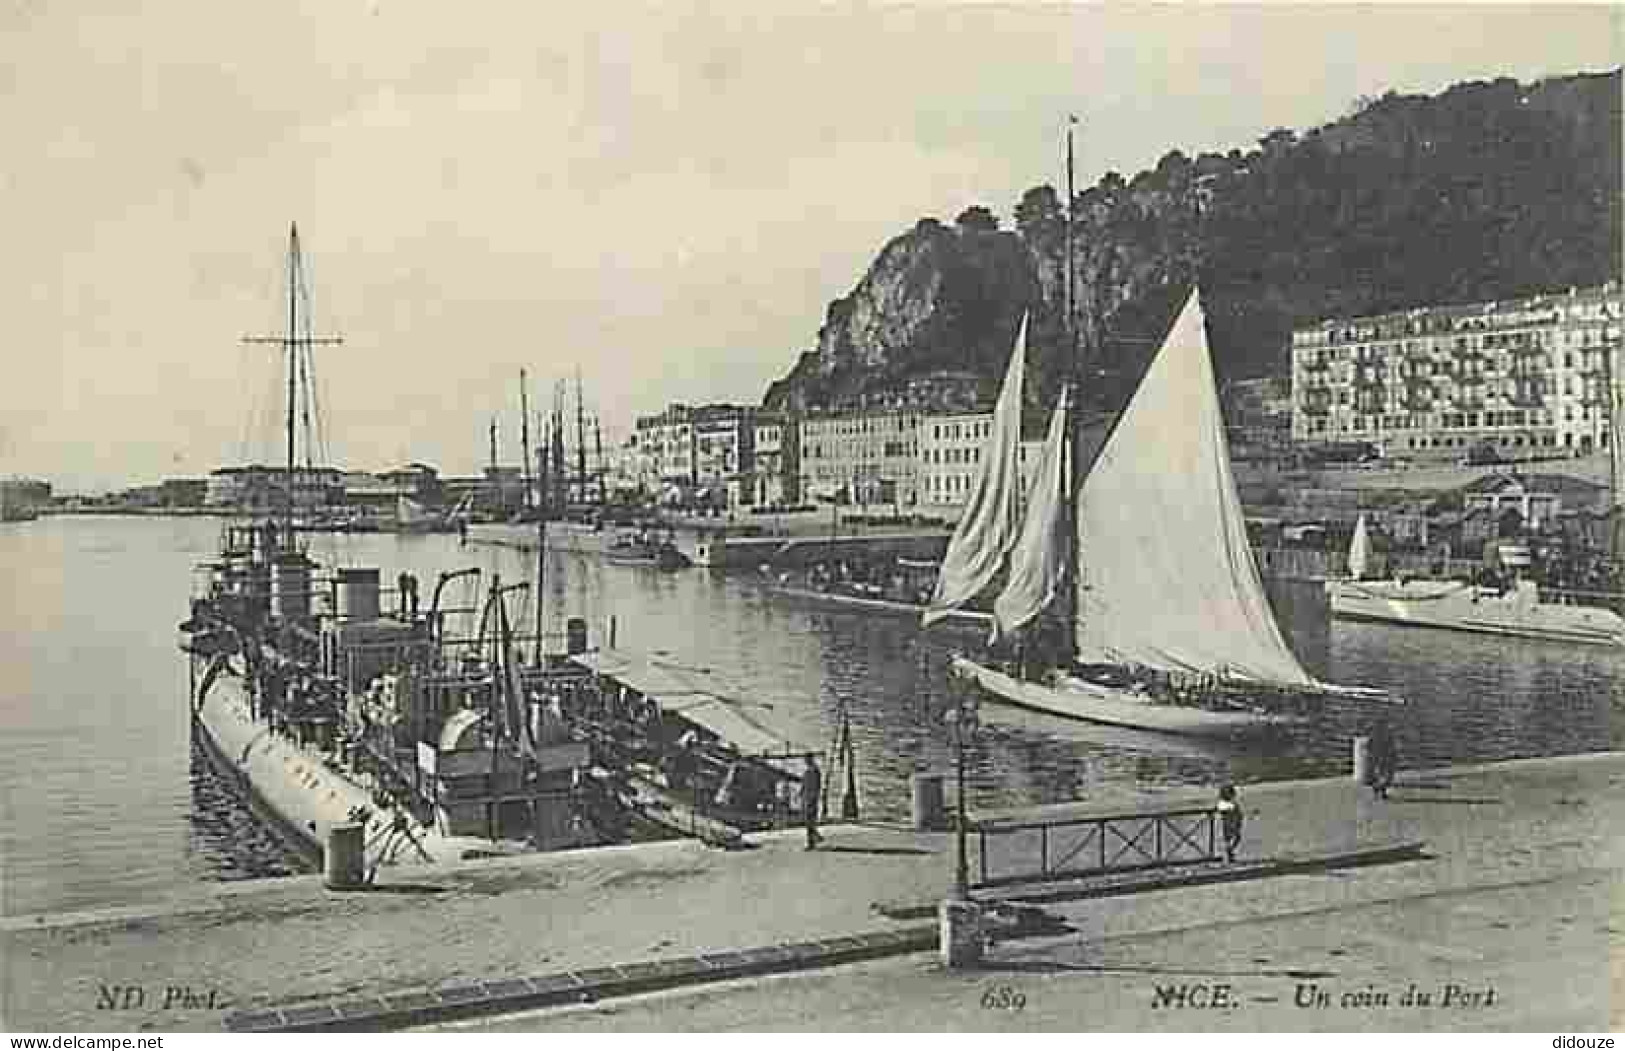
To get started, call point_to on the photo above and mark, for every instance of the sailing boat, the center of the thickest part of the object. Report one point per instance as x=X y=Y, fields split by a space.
x=1359 y=550
x=413 y=517
x=1170 y=623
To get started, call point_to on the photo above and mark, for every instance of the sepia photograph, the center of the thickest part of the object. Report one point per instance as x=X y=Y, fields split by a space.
x=890 y=517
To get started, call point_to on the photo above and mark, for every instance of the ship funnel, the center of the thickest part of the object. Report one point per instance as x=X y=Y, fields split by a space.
x=290 y=587
x=357 y=594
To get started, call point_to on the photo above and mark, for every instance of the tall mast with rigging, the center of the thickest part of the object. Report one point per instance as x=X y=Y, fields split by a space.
x=524 y=439
x=1068 y=605
x=581 y=443
x=296 y=342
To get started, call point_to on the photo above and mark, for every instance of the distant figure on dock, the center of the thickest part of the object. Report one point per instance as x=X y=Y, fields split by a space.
x=408 y=596
x=812 y=793
x=1384 y=759
x=1229 y=809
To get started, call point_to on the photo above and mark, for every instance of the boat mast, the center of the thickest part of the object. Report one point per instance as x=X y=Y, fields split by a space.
x=524 y=439
x=1068 y=606
x=293 y=342
x=581 y=443
x=598 y=458
x=1616 y=452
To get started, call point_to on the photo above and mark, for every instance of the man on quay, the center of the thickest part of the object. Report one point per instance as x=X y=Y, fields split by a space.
x=812 y=792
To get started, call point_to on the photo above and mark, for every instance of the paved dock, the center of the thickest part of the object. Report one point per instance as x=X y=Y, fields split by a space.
x=629 y=922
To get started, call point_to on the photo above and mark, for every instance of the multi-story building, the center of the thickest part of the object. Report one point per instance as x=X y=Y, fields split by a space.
x=1530 y=378
x=29 y=493
x=260 y=489
x=951 y=449
x=706 y=452
x=866 y=456
x=950 y=455
x=665 y=447
x=724 y=452
x=1258 y=413
x=774 y=479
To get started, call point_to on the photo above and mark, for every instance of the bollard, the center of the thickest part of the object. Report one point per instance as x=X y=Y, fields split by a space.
x=344 y=862
x=1362 y=760
x=926 y=807
x=959 y=933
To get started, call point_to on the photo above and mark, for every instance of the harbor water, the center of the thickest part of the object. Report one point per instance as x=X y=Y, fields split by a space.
x=103 y=800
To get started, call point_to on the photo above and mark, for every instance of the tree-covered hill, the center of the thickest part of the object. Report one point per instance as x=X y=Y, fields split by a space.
x=1490 y=190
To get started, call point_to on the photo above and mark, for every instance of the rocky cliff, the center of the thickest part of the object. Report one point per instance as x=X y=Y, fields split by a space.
x=1489 y=190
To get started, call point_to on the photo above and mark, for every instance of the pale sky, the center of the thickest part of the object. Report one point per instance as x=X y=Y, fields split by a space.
x=664 y=196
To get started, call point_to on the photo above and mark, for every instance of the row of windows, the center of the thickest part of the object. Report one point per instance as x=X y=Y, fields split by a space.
x=1575 y=339
x=962 y=429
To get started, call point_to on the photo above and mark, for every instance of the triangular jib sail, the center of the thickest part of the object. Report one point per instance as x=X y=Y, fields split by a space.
x=1359 y=551
x=1166 y=575
x=988 y=528
x=1038 y=563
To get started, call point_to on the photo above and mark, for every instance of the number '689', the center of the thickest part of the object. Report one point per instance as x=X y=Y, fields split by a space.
x=1004 y=998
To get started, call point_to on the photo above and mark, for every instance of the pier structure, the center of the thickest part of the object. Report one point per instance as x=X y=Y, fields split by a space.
x=1507 y=916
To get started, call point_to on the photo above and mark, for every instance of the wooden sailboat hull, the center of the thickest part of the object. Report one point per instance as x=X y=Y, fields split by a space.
x=1467 y=607
x=1093 y=702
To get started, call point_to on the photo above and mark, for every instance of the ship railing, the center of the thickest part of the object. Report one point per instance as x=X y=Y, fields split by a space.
x=1079 y=847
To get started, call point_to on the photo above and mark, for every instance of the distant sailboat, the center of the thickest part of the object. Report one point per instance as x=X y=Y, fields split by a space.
x=1359 y=551
x=1171 y=626
x=413 y=517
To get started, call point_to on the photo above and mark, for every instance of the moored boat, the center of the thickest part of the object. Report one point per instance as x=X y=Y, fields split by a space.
x=1515 y=609
x=327 y=710
x=1511 y=606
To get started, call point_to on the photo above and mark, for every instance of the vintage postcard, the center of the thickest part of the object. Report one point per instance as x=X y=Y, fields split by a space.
x=862 y=517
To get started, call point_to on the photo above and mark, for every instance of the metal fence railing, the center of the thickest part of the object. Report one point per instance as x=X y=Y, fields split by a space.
x=1040 y=851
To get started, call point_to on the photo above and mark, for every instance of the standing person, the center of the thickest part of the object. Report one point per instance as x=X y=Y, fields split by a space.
x=812 y=793
x=1229 y=809
x=1384 y=759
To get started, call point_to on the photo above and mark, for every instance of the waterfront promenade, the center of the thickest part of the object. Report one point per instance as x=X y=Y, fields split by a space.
x=1518 y=890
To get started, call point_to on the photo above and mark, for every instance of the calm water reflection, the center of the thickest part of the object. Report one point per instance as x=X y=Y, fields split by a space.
x=103 y=801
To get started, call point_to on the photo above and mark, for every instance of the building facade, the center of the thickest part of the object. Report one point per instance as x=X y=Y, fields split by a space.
x=862 y=457
x=1258 y=413
x=1529 y=378
x=774 y=478
x=697 y=455
x=952 y=446
x=664 y=447
x=260 y=489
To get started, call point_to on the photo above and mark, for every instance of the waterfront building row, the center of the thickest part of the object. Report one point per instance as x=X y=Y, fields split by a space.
x=907 y=459
x=1530 y=377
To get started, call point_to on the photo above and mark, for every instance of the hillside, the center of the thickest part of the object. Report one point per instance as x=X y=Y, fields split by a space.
x=1490 y=190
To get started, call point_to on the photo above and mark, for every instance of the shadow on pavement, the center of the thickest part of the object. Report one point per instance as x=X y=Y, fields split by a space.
x=1057 y=966
x=874 y=850
x=403 y=888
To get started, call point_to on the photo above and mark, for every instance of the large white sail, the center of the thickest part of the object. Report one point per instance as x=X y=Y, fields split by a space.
x=1166 y=575
x=1359 y=550
x=1038 y=562
x=988 y=528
